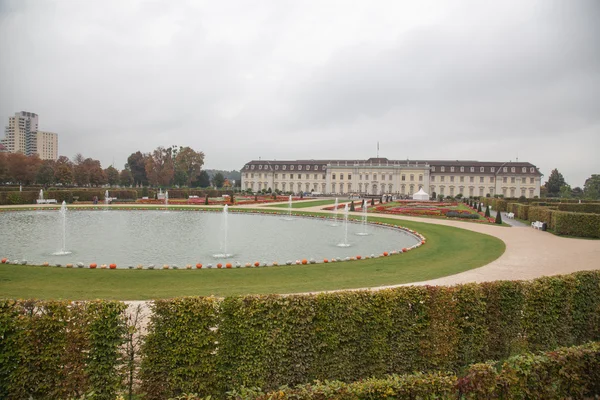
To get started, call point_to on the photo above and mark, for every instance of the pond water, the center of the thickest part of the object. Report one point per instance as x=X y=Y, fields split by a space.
x=185 y=237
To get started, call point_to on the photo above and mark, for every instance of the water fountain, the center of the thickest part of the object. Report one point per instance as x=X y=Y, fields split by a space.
x=289 y=216
x=106 y=198
x=335 y=213
x=345 y=243
x=364 y=232
x=224 y=234
x=63 y=214
x=41 y=196
x=167 y=198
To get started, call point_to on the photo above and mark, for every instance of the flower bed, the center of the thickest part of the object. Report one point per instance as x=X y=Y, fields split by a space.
x=444 y=210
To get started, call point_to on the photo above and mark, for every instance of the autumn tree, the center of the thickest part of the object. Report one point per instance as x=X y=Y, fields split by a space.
x=81 y=174
x=160 y=168
x=188 y=164
x=136 y=163
x=125 y=178
x=3 y=167
x=22 y=169
x=63 y=171
x=112 y=175
x=45 y=173
x=96 y=173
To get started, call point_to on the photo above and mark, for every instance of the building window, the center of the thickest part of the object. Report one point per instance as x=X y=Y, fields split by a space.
x=276 y=176
x=451 y=169
x=433 y=169
x=252 y=167
x=492 y=169
x=323 y=178
x=276 y=167
x=452 y=191
x=531 y=180
x=366 y=177
x=316 y=167
x=481 y=179
x=292 y=167
x=374 y=177
x=332 y=176
x=442 y=178
x=306 y=175
x=403 y=177
x=524 y=169
x=284 y=167
x=349 y=178
x=532 y=170
x=282 y=176
x=471 y=179
x=260 y=167
x=504 y=169
x=481 y=169
x=342 y=177
x=523 y=180
x=360 y=177
x=299 y=167
x=420 y=178
x=512 y=169
x=442 y=169
x=433 y=178
x=315 y=177
x=504 y=180
x=462 y=169
x=382 y=177
x=462 y=178
x=472 y=169
x=412 y=178
x=512 y=179
x=349 y=187
x=491 y=179
x=531 y=193
x=308 y=167
x=452 y=178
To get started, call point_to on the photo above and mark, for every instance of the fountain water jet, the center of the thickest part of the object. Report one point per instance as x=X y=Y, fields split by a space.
x=345 y=243
x=41 y=196
x=224 y=232
x=106 y=197
x=364 y=221
x=335 y=213
x=63 y=214
x=289 y=217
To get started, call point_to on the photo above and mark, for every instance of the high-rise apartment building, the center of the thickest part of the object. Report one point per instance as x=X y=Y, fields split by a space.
x=22 y=136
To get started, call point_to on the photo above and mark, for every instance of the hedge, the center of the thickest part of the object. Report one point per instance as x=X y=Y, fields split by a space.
x=543 y=214
x=270 y=341
x=522 y=211
x=500 y=205
x=592 y=208
x=568 y=372
x=58 y=349
x=577 y=224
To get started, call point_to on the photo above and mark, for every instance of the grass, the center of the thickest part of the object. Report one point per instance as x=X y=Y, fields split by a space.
x=306 y=203
x=448 y=251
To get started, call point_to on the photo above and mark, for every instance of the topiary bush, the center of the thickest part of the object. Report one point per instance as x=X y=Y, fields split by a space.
x=577 y=224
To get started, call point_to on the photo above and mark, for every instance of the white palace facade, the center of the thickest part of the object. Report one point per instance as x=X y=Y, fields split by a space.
x=378 y=176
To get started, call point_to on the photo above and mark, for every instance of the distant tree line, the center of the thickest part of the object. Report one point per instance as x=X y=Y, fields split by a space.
x=165 y=167
x=556 y=186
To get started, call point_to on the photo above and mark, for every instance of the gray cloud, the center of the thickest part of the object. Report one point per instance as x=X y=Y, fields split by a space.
x=466 y=80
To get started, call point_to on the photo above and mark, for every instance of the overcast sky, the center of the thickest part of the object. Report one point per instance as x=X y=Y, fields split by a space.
x=239 y=80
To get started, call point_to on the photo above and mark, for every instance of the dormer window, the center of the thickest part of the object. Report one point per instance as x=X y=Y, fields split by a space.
x=276 y=167
x=252 y=167
x=512 y=169
x=524 y=169
x=532 y=170
x=260 y=167
x=299 y=167
x=462 y=169
x=451 y=169
x=316 y=167
x=472 y=169
x=308 y=167
x=432 y=169
x=292 y=167
x=284 y=167
x=504 y=169
x=481 y=169
x=442 y=169
x=492 y=169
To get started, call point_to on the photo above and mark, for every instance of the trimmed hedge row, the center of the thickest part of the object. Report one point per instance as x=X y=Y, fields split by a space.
x=592 y=208
x=270 y=341
x=543 y=214
x=576 y=224
x=571 y=372
x=58 y=349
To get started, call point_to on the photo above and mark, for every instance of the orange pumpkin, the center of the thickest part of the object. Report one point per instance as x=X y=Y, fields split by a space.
x=93 y=265
x=112 y=266
x=199 y=266
x=228 y=265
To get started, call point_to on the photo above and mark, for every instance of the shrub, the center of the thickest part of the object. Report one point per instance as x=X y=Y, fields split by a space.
x=456 y=214
x=577 y=224
x=487 y=211
x=522 y=211
x=500 y=205
x=592 y=208
x=498 y=217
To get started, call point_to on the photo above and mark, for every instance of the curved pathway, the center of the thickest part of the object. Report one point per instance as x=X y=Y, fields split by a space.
x=530 y=253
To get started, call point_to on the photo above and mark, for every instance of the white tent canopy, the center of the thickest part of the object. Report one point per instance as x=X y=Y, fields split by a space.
x=421 y=195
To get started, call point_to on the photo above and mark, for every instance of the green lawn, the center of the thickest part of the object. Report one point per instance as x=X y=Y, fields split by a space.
x=306 y=203
x=447 y=251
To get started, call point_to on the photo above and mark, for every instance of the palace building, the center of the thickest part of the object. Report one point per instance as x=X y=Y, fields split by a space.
x=378 y=176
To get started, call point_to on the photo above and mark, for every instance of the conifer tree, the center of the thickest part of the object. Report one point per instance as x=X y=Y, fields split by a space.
x=498 y=217
x=487 y=211
x=352 y=206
